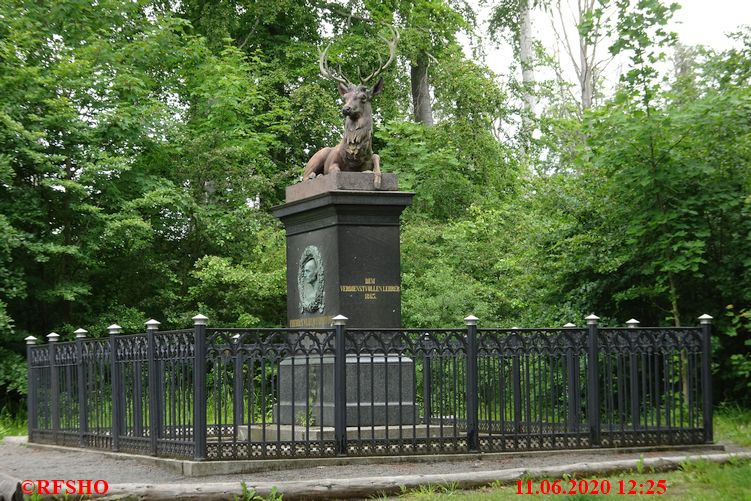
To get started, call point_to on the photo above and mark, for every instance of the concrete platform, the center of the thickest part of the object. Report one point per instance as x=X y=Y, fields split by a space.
x=188 y=468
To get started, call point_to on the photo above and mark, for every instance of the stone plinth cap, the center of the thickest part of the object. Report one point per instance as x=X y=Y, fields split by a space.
x=200 y=319
x=114 y=329
x=357 y=181
x=592 y=319
x=30 y=340
x=153 y=324
x=705 y=319
x=80 y=333
x=53 y=336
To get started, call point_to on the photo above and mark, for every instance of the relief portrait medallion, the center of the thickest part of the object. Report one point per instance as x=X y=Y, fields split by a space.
x=310 y=280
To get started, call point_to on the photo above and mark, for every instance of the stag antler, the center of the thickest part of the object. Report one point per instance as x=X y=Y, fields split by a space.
x=392 y=53
x=327 y=73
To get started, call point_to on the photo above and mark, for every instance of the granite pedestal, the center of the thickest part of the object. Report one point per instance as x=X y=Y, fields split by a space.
x=355 y=230
x=343 y=258
x=377 y=393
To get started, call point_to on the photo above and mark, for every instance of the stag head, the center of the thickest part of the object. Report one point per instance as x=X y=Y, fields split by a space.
x=357 y=97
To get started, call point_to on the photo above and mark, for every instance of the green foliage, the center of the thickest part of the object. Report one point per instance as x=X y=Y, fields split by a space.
x=142 y=145
x=732 y=424
x=12 y=423
x=249 y=494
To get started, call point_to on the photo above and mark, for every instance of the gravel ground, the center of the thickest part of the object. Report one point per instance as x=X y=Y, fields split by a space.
x=24 y=462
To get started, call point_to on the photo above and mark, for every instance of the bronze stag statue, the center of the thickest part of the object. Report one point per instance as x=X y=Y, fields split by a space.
x=354 y=153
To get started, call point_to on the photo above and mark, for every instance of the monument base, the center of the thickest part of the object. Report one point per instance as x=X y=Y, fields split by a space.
x=380 y=391
x=289 y=433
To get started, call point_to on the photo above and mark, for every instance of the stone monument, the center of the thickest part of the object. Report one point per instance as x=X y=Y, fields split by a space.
x=342 y=230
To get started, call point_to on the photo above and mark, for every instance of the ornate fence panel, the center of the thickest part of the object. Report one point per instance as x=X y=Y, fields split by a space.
x=532 y=389
x=217 y=394
x=133 y=398
x=97 y=372
x=650 y=387
x=174 y=354
x=405 y=391
x=40 y=395
x=269 y=393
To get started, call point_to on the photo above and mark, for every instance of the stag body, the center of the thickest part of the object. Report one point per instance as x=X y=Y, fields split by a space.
x=355 y=152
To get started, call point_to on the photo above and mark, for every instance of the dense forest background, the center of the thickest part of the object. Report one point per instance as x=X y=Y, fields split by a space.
x=143 y=143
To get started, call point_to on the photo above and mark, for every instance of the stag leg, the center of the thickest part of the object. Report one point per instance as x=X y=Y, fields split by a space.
x=376 y=171
x=332 y=162
x=316 y=163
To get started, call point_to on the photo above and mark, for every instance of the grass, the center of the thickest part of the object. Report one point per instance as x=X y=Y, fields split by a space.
x=694 y=481
x=11 y=425
x=732 y=424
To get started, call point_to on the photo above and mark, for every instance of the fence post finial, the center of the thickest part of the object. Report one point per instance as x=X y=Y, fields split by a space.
x=471 y=320
x=200 y=319
x=340 y=320
x=153 y=325
x=53 y=337
x=80 y=333
x=705 y=319
x=569 y=325
x=633 y=323
x=30 y=340
x=114 y=329
x=592 y=319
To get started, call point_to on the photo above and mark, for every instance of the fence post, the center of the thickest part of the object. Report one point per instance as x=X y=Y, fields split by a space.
x=572 y=376
x=151 y=327
x=340 y=385
x=593 y=379
x=114 y=330
x=53 y=337
x=426 y=379
x=633 y=378
x=238 y=409
x=31 y=393
x=706 y=375
x=83 y=425
x=473 y=432
x=199 y=387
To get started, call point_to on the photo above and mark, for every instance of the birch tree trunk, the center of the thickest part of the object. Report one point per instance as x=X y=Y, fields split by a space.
x=526 y=55
x=423 y=108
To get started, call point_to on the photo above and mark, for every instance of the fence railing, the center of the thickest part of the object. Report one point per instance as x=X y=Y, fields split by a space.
x=218 y=394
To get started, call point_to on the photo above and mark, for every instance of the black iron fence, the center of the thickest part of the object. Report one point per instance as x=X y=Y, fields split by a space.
x=217 y=394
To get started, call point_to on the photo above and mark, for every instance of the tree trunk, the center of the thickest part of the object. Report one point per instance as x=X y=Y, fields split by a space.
x=421 y=90
x=677 y=323
x=526 y=56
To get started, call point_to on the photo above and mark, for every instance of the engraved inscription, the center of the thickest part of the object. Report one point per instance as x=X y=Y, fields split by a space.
x=318 y=321
x=370 y=288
